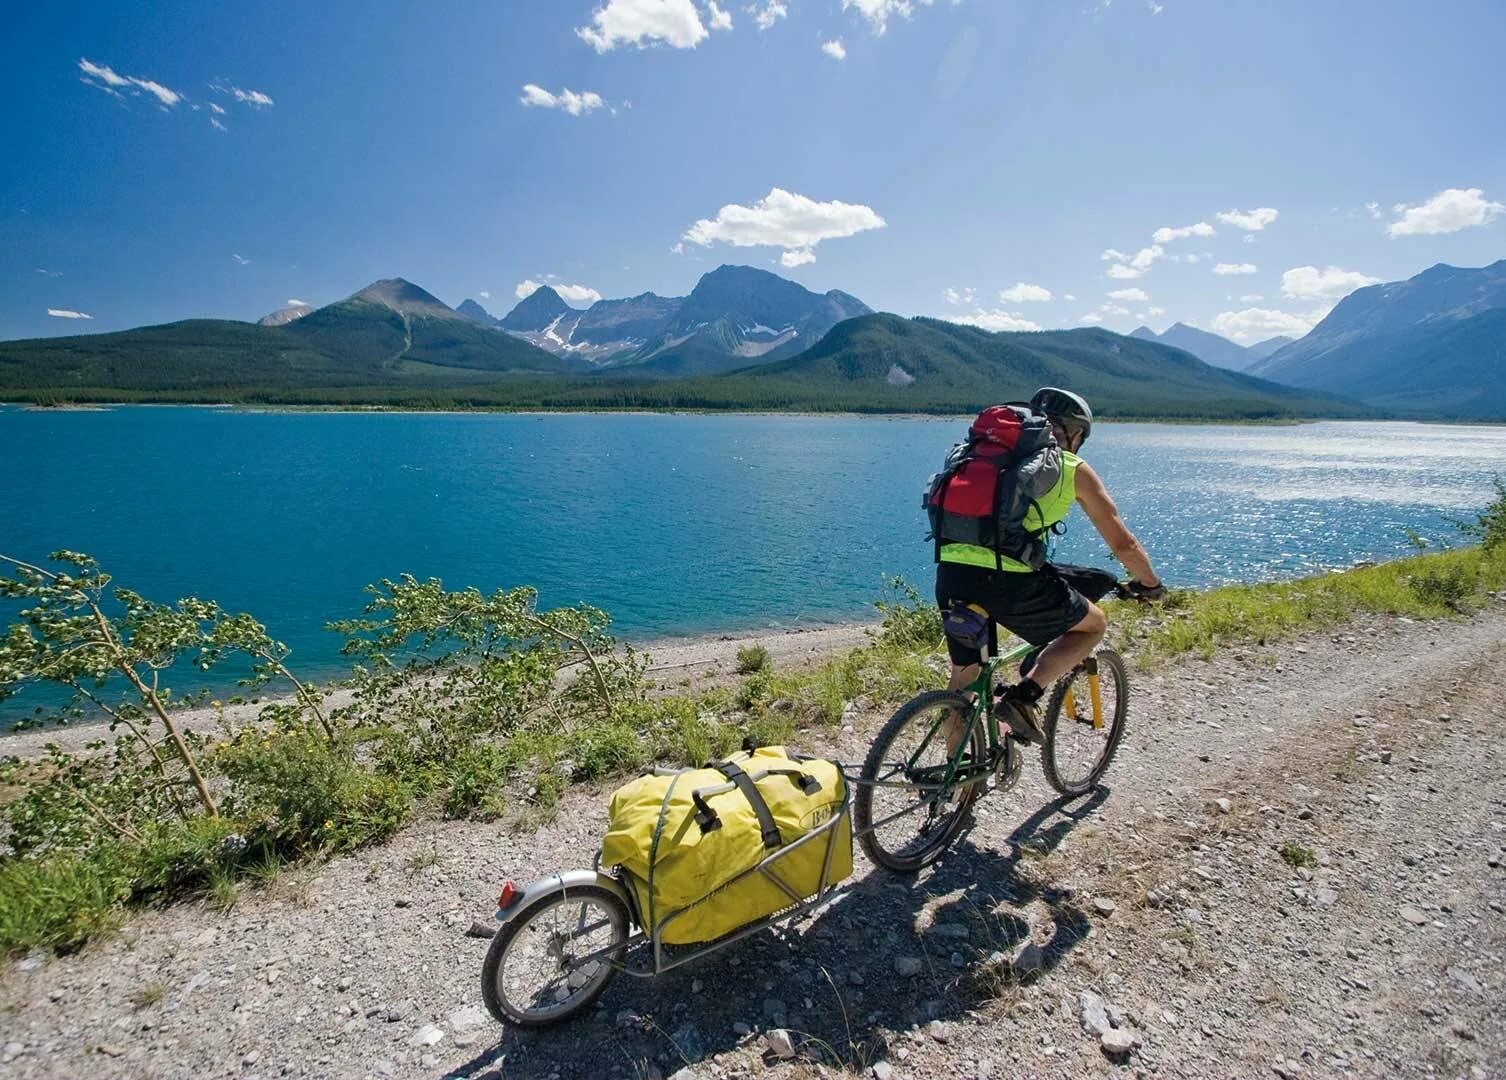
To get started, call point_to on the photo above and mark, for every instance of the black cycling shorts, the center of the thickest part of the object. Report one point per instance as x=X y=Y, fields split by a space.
x=1038 y=607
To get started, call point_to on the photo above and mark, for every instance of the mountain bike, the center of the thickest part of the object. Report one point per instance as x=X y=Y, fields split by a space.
x=914 y=793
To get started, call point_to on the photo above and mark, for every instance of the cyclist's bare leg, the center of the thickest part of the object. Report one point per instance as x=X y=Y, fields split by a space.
x=955 y=724
x=1071 y=649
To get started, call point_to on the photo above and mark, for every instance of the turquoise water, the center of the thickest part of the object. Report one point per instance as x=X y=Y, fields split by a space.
x=675 y=524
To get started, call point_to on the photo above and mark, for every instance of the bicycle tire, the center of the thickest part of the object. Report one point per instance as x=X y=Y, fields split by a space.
x=1107 y=658
x=863 y=800
x=505 y=1010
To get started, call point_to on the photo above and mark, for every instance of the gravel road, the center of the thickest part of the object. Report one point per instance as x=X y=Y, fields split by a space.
x=1153 y=929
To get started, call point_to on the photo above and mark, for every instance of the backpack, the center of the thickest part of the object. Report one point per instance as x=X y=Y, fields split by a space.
x=990 y=481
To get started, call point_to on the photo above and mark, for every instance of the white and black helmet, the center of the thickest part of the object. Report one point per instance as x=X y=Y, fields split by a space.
x=1066 y=408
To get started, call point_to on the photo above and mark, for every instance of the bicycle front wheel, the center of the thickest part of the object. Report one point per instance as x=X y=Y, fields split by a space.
x=904 y=813
x=1084 y=723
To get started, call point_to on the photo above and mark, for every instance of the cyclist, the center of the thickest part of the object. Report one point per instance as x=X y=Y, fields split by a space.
x=1038 y=605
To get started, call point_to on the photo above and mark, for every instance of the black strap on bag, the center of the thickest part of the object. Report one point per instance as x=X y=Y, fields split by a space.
x=708 y=819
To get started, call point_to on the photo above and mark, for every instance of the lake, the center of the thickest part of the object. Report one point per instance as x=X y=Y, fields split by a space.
x=675 y=524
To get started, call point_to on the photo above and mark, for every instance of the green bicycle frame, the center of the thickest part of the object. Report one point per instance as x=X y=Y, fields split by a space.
x=954 y=775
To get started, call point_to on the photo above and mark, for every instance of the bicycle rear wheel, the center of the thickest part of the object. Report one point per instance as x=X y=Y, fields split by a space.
x=534 y=973
x=1083 y=733
x=905 y=818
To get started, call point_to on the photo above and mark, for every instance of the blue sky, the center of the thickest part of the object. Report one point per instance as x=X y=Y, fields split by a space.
x=169 y=161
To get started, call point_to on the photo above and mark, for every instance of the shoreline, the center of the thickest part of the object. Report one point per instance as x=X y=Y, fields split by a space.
x=24 y=405
x=705 y=658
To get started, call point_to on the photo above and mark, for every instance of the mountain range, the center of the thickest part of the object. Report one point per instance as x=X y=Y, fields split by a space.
x=1433 y=345
x=735 y=316
x=1211 y=348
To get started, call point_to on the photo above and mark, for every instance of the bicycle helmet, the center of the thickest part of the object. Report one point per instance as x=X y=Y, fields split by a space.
x=1066 y=408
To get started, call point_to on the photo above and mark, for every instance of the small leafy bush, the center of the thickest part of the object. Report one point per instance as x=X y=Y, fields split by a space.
x=910 y=622
x=1298 y=857
x=752 y=658
x=1445 y=585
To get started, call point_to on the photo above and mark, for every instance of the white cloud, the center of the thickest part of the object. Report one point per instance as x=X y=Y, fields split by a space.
x=1260 y=323
x=49 y=273
x=797 y=258
x=241 y=260
x=1166 y=233
x=220 y=109
x=1329 y=283
x=103 y=73
x=996 y=320
x=1235 y=268
x=1251 y=298
x=250 y=97
x=719 y=18
x=110 y=81
x=1127 y=267
x=484 y=295
x=1092 y=318
x=1448 y=211
x=1130 y=294
x=64 y=313
x=577 y=294
x=214 y=122
x=642 y=23
x=1023 y=293
x=1249 y=220
x=834 y=49
x=878 y=12
x=567 y=99
x=1374 y=210
x=1156 y=311
x=1189 y=257
x=1114 y=309
x=784 y=219
x=167 y=97
x=965 y=296
x=1069 y=296
x=299 y=303
x=1154 y=8
x=766 y=16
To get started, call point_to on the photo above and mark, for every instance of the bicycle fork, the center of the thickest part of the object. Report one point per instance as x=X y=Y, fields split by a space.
x=1089 y=668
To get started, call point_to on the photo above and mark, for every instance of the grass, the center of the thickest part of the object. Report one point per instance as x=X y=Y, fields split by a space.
x=1429 y=586
x=1298 y=857
x=149 y=994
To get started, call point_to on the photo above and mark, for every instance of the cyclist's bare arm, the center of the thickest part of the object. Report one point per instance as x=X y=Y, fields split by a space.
x=1094 y=499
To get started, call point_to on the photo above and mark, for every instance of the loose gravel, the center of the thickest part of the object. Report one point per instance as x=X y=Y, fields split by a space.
x=1154 y=928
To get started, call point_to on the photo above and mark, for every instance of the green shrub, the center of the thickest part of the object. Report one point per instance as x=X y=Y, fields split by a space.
x=752 y=658
x=473 y=783
x=1298 y=857
x=1447 y=585
x=309 y=794
x=910 y=621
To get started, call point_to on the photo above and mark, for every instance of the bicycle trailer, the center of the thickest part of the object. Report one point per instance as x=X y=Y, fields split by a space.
x=706 y=851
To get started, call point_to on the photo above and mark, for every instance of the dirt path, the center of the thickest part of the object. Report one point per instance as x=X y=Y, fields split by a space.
x=1378 y=751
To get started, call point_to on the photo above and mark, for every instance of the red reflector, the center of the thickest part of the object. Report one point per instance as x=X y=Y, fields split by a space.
x=509 y=893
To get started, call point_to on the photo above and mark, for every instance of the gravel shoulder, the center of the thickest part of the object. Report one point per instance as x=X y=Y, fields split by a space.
x=1157 y=914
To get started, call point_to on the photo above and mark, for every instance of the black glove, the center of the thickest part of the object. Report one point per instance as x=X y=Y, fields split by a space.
x=1146 y=592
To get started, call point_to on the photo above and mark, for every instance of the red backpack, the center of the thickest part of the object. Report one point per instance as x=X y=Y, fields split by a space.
x=989 y=483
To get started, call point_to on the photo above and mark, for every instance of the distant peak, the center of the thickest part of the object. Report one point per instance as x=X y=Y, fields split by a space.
x=403 y=296
x=536 y=310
